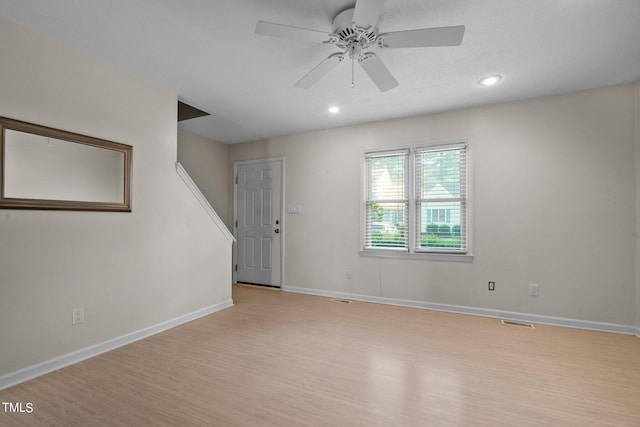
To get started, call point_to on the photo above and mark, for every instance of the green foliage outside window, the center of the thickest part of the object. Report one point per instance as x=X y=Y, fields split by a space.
x=377 y=214
x=441 y=236
x=380 y=240
x=394 y=239
x=431 y=241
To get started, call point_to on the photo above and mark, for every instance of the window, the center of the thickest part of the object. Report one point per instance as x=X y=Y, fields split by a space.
x=416 y=202
x=438 y=216
x=387 y=199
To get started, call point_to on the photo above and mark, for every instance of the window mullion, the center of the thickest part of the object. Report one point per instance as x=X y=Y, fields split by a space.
x=418 y=191
x=411 y=208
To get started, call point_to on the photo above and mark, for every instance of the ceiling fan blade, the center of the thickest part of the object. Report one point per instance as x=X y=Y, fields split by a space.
x=286 y=31
x=425 y=37
x=378 y=72
x=367 y=12
x=320 y=71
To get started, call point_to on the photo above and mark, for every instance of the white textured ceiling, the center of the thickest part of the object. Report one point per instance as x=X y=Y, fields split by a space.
x=206 y=52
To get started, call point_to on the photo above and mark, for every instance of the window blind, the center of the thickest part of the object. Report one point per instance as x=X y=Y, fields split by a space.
x=386 y=200
x=441 y=198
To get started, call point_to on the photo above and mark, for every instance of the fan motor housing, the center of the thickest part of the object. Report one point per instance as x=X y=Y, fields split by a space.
x=348 y=32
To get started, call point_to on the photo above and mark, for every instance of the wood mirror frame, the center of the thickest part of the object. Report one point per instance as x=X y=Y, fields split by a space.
x=52 y=169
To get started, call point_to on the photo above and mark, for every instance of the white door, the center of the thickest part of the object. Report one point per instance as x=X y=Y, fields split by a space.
x=259 y=222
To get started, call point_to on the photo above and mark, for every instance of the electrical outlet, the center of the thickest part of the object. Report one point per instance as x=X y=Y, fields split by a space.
x=492 y=286
x=533 y=290
x=78 y=316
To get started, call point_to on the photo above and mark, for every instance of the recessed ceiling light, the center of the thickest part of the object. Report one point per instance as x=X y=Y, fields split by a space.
x=490 y=80
x=334 y=109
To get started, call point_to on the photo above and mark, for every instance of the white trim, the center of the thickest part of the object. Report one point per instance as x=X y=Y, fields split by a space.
x=283 y=212
x=204 y=202
x=638 y=333
x=484 y=312
x=434 y=256
x=42 y=368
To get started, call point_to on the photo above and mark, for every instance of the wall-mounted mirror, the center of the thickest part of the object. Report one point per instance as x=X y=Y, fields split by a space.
x=45 y=168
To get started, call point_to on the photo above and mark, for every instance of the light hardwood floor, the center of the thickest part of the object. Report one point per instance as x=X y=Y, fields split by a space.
x=280 y=359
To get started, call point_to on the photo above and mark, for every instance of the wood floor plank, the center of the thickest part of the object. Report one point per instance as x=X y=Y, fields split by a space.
x=281 y=359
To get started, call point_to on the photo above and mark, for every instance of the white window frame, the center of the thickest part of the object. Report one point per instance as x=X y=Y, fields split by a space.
x=413 y=251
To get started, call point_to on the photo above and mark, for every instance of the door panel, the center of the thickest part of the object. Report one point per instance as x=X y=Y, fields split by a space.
x=259 y=205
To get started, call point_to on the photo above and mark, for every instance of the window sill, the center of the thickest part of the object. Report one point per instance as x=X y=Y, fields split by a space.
x=381 y=253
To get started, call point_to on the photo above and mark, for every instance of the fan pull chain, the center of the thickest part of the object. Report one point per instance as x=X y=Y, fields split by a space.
x=353 y=79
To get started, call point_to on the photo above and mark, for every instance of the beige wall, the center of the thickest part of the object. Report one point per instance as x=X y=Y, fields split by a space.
x=554 y=189
x=128 y=270
x=207 y=162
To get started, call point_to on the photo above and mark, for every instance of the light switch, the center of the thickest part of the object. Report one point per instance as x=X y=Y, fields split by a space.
x=294 y=209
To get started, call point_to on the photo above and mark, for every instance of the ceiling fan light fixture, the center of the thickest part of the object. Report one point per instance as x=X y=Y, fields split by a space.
x=490 y=80
x=354 y=31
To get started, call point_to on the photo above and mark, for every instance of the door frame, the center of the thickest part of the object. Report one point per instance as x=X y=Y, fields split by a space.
x=237 y=163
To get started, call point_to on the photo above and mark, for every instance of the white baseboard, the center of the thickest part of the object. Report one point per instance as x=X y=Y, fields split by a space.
x=507 y=315
x=33 y=371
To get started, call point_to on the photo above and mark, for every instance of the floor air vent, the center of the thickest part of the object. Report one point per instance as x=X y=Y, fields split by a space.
x=340 y=300
x=519 y=324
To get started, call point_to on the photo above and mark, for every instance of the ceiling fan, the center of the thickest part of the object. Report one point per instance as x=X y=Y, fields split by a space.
x=354 y=31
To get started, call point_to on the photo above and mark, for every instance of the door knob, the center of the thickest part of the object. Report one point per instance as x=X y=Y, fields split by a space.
x=277 y=230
